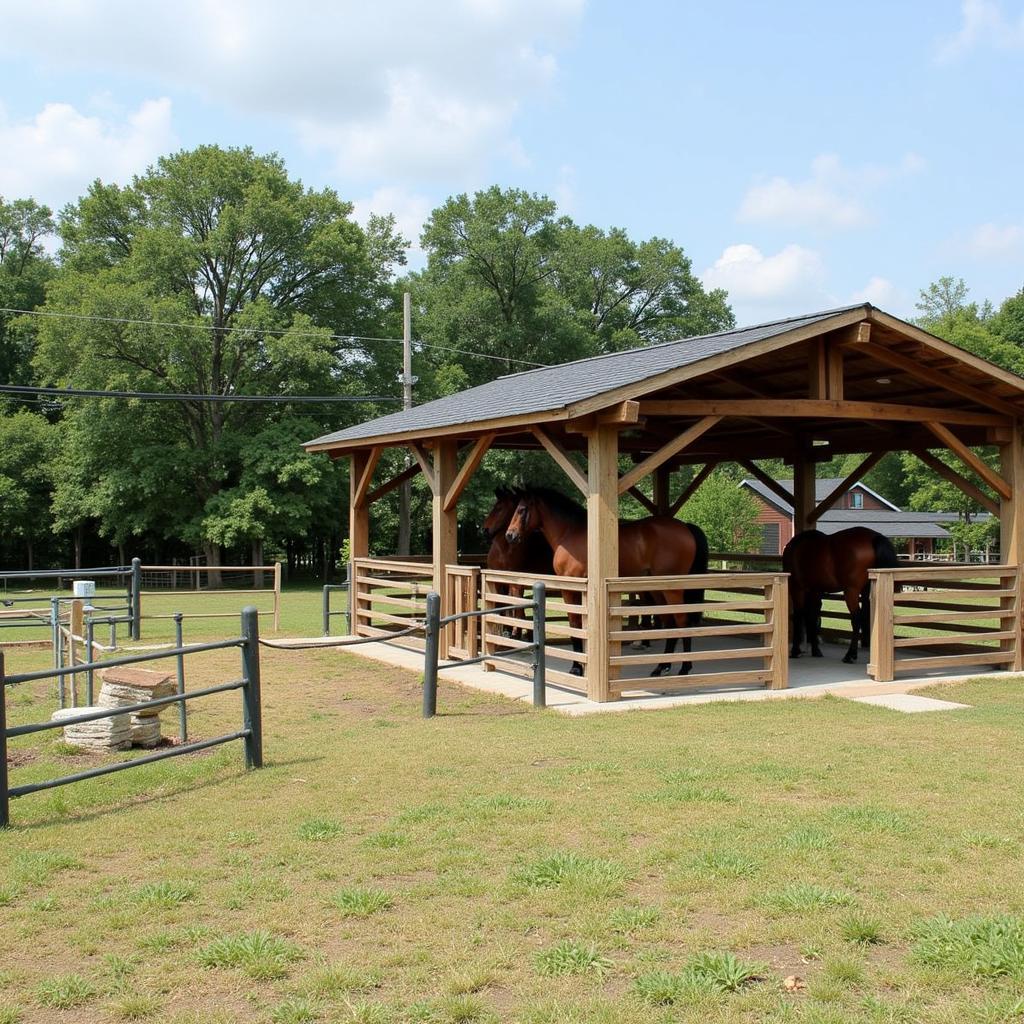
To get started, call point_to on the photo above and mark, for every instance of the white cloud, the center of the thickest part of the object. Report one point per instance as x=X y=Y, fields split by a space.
x=879 y=291
x=410 y=211
x=399 y=88
x=57 y=153
x=792 y=273
x=833 y=197
x=982 y=23
x=995 y=241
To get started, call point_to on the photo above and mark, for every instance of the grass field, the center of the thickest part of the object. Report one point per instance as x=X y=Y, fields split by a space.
x=503 y=864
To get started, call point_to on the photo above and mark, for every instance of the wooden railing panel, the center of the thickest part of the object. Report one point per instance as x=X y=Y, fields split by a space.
x=388 y=595
x=462 y=594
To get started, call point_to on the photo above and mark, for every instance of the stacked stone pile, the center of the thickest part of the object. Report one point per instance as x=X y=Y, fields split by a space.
x=102 y=734
x=126 y=685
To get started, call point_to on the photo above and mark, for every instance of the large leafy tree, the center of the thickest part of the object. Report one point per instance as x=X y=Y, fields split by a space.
x=27 y=445
x=213 y=273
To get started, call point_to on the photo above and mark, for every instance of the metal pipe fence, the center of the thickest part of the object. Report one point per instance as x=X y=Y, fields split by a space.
x=251 y=732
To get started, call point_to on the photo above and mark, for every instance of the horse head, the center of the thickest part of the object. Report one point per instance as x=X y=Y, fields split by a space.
x=501 y=513
x=525 y=518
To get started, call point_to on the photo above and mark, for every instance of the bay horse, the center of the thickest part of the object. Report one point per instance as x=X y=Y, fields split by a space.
x=820 y=564
x=655 y=546
x=534 y=557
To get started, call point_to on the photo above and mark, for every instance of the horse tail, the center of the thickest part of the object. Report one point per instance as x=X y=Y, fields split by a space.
x=699 y=565
x=885 y=553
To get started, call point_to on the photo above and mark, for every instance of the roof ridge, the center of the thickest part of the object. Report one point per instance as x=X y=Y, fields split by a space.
x=866 y=306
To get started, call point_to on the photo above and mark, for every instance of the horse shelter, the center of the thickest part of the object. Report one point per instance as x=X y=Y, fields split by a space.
x=854 y=380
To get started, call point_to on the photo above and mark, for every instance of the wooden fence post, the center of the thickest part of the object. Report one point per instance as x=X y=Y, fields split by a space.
x=882 y=665
x=778 y=615
x=277 y=596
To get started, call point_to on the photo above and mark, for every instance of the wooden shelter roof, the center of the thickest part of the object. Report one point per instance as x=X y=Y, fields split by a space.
x=755 y=378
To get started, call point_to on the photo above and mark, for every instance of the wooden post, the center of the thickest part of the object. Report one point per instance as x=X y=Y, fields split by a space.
x=1011 y=510
x=358 y=532
x=602 y=552
x=445 y=523
x=882 y=665
x=778 y=616
x=277 y=596
x=76 y=627
x=662 y=481
x=803 y=493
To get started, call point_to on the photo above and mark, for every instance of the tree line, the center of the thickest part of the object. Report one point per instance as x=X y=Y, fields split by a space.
x=216 y=273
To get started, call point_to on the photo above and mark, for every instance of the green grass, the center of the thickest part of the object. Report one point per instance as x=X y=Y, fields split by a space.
x=873 y=854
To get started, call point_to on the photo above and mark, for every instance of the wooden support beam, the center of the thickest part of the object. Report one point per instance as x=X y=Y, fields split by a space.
x=365 y=478
x=396 y=481
x=663 y=454
x=625 y=414
x=423 y=458
x=773 y=485
x=662 y=485
x=445 y=526
x=358 y=515
x=817 y=409
x=602 y=555
x=833 y=371
x=817 y=379
x=857 y=334
x=692 y=487
x=561 y=456
x=644 y=500
x=469 y=467
x=1011 y=510
x=969 y=458
x=803 y=493
x=939 y=377
x=862 y=470
x=962 y=483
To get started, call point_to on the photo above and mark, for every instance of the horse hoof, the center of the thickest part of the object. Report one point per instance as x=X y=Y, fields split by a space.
x=850 y=659
x=659 y=671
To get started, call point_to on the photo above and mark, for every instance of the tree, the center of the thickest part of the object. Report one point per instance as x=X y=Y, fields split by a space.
x=24 y=270
x=249 y=268
x=726 y=512
x=27 y=443
x=943 y=300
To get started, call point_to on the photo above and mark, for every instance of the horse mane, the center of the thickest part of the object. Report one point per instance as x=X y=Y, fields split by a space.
x=559 y=502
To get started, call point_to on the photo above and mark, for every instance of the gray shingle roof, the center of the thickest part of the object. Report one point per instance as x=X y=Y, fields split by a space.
x=823 y=487
x=553 y=388
x=889 y=524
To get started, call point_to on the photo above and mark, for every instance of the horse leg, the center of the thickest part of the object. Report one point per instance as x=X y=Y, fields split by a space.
x=812 y=609
x=575 y=622
x=852 y=595
x=515 y=591
x=680 y=620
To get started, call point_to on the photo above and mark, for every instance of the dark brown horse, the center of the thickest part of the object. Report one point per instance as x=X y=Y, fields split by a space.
x=820 y=564
x=657 y=546
x=534 y=557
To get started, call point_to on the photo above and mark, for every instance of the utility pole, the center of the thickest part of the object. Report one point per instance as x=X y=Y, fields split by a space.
x=405 y=491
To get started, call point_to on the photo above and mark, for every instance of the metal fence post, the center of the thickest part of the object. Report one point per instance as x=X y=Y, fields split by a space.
x=90 y=636
x=326 y=611
x=539 y=641
x=179 y=643
x=5 y=802
x=251 y=706
x=55 y=625
x=433 y=637
x=136 y=598
x=351 y=597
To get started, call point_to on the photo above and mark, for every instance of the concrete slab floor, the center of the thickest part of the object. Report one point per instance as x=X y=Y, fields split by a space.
x=808 y=677
x=910 y=703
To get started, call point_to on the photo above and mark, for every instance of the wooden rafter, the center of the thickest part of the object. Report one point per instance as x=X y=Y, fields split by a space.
x=562 y=458
x=426 y=465
x=948 y=473
x=363 y=485
x=862 y=470
x=396 y=481
x=663 y=454
x=691 y=488
x=966 y=456
x=818 y=409
x=478 y=451
x=644 y=500
x=773 y=485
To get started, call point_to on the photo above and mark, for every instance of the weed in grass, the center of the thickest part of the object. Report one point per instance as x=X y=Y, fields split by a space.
x=1003 y=1008
x=629 y=920
x=869 y=818
x=250 y=889
x=8 y=894
x=61 y=748
x=134 y=1006
x=665 y=988
x=369 y=1013
x=336 y=981
x=36 y=868
x=318 y=830
x=809 y=837
x=423 y=812
x=843 y=971
x=863 y=930
x=684 y=793
x=725 y=864
x=501 y=803
x=469 y=982
x=801 y=897
x=388 y=840
x=45 y=905
x=245 y=837
x=983 y=947
x=259 y=954
x=988 y=841
x=166 y=894
x=10 y=1015
x=460 y=1009
x=572 y=958
x=590 y=875
x=724 y=970
x=65 y=992
x=294 y=1011
x=119 y=967
x=361 y=902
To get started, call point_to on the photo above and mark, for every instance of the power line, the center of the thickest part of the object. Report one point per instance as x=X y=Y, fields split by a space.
x=161 y=396
x=258 y=330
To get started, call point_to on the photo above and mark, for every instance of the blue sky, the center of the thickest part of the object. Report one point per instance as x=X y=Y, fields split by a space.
x=805 y=155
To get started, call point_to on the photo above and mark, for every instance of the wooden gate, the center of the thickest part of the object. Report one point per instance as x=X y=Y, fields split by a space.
x=462 y=594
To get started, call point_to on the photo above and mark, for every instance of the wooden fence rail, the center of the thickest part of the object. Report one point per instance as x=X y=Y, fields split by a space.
x=956 y=616
x=388 y=595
